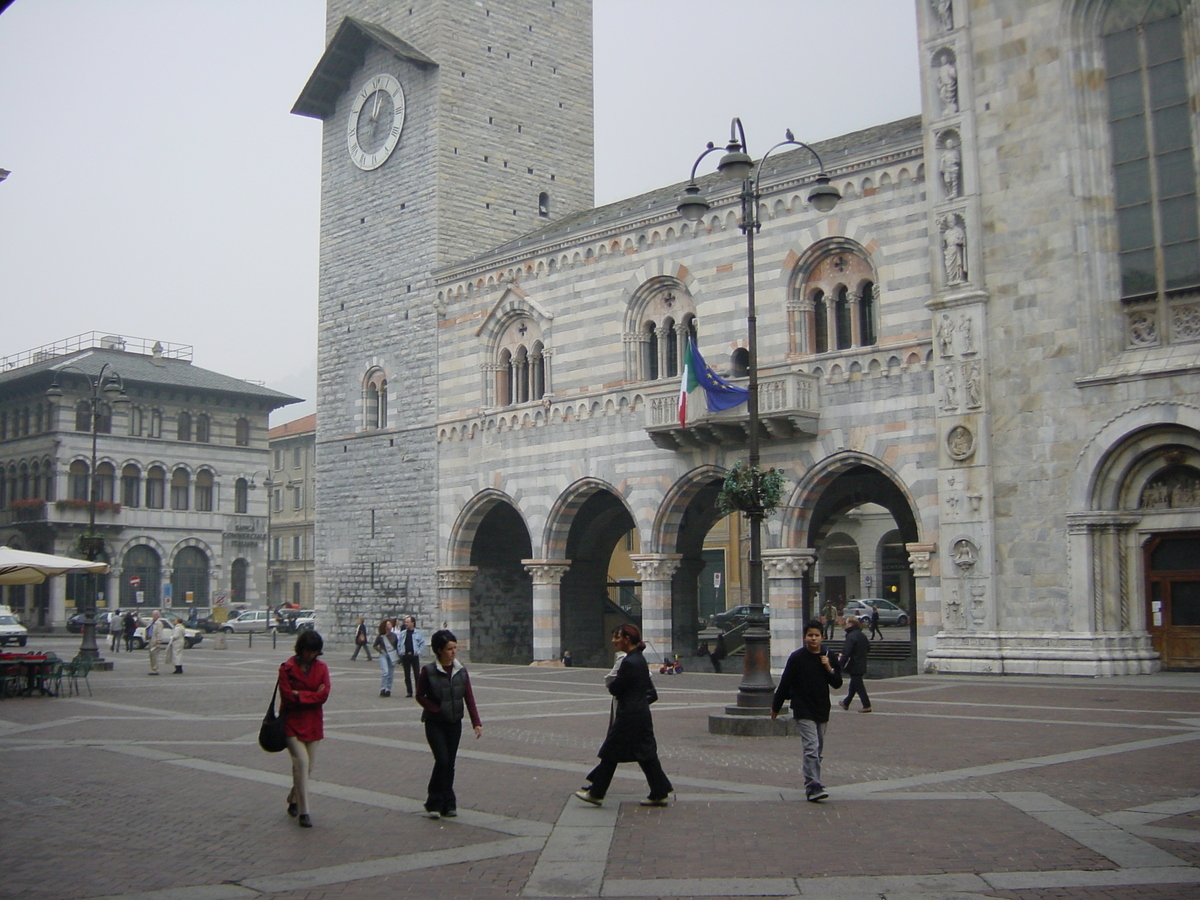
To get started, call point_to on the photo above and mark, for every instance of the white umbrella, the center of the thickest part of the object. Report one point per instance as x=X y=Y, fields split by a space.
x=26 y=567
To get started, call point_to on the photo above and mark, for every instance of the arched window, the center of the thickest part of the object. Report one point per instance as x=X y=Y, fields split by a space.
x=83 y=416
x=242 y=432
x=521 y=363
x=241 y=496
x=663 y=316
x=156 y=487
x=183 y=427
x=137 y=423
x=841 y=300
x=203 y=429
x=544 y=205
x=237 y=581
x=189 y=574
x=77 y=480
x=23 y=478
x=204 y=491
x=180 y=488
x=820 y=322
x=375 y=399
x=131 y=486
x=141 y=577
x=106 y=478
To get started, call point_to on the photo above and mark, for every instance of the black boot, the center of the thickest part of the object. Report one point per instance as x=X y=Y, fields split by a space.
x=179 y=670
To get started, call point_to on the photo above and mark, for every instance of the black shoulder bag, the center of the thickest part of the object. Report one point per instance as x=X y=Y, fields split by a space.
x=271 y=734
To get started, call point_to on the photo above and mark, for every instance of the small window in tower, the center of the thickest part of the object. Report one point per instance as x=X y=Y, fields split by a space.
x=544 y=204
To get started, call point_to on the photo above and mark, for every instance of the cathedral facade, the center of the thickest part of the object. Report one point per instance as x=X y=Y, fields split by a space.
x=979 y=373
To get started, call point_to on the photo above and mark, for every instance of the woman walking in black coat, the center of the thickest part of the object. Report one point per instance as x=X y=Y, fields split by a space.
x=631 y=729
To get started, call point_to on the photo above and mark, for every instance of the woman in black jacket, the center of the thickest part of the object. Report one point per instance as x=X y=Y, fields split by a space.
x=631 y=729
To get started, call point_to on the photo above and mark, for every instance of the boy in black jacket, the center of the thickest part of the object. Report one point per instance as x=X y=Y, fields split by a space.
x=806 y=680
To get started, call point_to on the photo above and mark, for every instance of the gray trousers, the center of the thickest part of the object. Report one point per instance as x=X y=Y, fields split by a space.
x=812 y=739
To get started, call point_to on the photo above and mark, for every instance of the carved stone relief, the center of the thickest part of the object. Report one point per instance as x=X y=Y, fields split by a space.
x=954 y=248
x=1143 y=328
x=946 y=80
x=945 y=336
x=949 y=396
x=1185 y=322
x=950 y=164
x=960 y=443
x=972 y=385
x=1177 y=487
x=943 y=14
x=978 y=606
x=955 y=618
x=965 y=555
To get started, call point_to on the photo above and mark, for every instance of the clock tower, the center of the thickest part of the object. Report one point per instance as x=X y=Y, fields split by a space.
x=449 y=128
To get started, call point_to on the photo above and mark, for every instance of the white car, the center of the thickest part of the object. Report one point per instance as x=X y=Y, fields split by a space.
x=249 y=620
x=11 y=630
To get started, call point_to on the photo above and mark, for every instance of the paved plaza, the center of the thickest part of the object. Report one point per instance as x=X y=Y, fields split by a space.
x=954 y=787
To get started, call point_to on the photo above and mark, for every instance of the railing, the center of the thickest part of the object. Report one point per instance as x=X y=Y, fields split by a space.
x=787 y=408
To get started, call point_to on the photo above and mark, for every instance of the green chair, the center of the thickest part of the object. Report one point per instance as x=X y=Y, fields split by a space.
x=79 y=668
x=53 y=676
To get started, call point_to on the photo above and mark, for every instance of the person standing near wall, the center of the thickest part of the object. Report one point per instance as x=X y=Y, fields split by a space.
x=361 y=641
x=444 y=692
x=385 y=643
x=412 y=642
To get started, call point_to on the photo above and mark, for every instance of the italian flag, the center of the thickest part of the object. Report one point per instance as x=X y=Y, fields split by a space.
x=687 y=384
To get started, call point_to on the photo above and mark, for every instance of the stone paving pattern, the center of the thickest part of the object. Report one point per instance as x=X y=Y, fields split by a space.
x=955 y=787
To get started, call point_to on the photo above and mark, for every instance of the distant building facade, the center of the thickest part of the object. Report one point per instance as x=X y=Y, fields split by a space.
x=176 y=468
x=292 y=486
x=980 y=373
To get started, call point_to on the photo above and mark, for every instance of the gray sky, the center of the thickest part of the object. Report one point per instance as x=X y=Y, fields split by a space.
x=160 y=188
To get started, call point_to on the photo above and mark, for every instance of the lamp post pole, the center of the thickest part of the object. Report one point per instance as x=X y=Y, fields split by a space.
x=756 y=688
x=106 y=382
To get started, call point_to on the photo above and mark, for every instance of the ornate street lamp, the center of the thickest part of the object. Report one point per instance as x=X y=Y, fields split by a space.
x=736 y=165
x=107 y=384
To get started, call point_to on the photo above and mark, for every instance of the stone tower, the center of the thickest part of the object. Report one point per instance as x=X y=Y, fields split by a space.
x=449 y=128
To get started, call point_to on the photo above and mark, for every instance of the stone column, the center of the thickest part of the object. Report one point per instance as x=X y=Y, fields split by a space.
x=784 y=569
x=547 y=606
x=655 y=571
x=58 y=602
x=855 y=301
x=454 y=603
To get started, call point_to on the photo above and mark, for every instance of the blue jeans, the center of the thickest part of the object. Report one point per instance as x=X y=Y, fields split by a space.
x=812 y=739
x=387 y=670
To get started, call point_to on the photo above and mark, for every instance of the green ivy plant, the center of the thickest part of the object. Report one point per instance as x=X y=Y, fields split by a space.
x=738 y=494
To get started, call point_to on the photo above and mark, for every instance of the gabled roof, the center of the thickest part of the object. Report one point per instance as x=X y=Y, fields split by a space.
x=342 y=58
x=137 y=368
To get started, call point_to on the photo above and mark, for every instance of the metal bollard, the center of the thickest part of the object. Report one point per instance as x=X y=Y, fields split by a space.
x=274 y=638
x=251 y=644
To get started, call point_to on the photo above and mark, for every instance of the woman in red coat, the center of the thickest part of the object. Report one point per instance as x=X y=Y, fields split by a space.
x=303 y=690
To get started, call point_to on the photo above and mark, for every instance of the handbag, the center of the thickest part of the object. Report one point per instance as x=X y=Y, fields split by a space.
x=272 y=736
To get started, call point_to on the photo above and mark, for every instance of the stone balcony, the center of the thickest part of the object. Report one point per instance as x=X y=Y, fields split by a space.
x=787 y=409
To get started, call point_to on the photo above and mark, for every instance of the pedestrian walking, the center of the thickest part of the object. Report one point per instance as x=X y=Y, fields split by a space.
x=157 y=639
x=854 y=662
x=718 y=652
x=361 y=641
x=444 y=692
x=178 y=642
x=385 y=643
x=804 y=684
x=875 y=632
x=130 y=626
x=303 y=690
x=631 y=728
x=831 y=613
x=116 y=630
x=412 y=643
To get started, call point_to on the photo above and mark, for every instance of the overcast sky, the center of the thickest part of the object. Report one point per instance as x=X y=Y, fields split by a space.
x=160 y=188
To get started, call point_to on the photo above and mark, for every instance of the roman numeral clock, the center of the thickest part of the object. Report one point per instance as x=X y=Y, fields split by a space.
x=375 y=122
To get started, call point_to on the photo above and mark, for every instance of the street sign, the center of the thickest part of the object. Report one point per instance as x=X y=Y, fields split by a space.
x=135 y=581
x=166 y=594
x=220 y=599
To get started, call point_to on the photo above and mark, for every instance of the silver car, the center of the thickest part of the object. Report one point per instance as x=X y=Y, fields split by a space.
x=889 y=612
x=251 y=620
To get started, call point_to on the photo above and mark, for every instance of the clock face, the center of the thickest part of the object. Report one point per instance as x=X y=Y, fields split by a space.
x=376 y=120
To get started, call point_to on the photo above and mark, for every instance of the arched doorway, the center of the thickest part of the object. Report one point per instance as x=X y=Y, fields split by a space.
x=598 y=521
x=1172 y=565
x=141 y=577
x=189 y=575
x=501 y=618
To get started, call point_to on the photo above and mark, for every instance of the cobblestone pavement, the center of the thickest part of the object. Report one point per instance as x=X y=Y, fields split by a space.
x=953 y=788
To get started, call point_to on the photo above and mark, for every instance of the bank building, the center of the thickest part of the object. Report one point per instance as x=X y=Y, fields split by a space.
x=978 y=372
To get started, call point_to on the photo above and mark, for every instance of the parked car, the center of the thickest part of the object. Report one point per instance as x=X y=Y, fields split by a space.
x=191 y=637
x=11 y=630
x=202 y=620
x=889 y=612
x=732 y=618
x=75 y=623
x=250 y=620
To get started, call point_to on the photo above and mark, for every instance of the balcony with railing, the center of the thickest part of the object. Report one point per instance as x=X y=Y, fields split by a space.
x=787 y=409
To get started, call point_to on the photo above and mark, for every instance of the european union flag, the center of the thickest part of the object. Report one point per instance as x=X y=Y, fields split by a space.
x=719 y=393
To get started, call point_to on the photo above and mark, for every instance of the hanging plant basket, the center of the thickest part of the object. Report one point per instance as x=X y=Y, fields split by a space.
x=738 y=492
x=90 y=545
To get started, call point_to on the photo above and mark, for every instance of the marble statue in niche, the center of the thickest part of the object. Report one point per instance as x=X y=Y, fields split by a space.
x=950 y=167
x=949 y=390
x=945 y=336
x=946 y=81
x=943 y=14
x=954 y=248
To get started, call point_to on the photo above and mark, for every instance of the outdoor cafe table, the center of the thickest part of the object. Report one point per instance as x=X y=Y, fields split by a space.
x=35 y=666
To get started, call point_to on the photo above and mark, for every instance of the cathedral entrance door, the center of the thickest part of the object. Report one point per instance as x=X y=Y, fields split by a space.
x=1172 y=565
